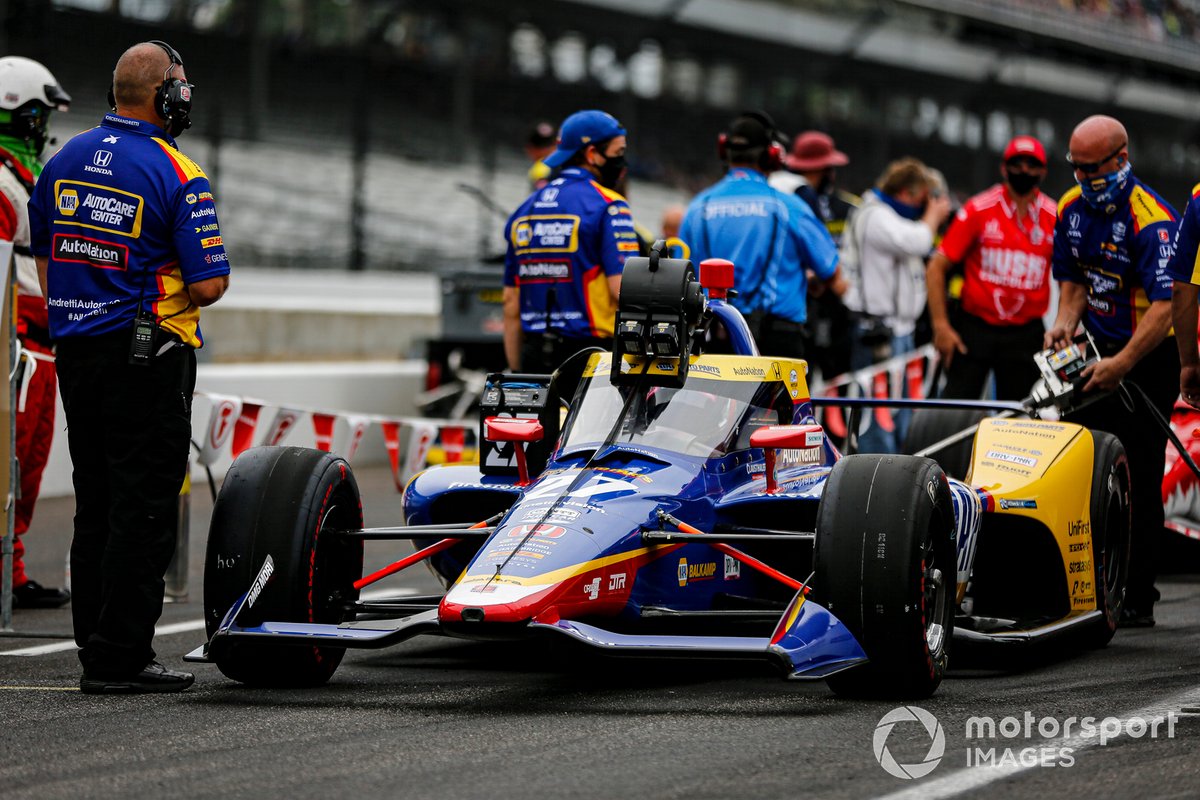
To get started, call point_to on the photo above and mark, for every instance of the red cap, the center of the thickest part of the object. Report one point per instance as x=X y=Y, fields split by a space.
x=813 y=150
x=1025 y=146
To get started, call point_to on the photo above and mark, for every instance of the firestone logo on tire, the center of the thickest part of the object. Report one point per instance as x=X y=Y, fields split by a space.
x=933 y=728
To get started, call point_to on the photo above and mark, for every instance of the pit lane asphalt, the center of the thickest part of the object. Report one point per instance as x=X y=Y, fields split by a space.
x=443 y=718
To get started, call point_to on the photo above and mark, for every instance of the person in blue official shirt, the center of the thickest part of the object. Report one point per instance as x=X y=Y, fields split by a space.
x=128 y=248
x=772 y=238
x=567 y=246
x=1113 y=243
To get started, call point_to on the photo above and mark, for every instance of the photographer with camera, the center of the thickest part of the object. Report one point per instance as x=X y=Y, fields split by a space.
x=884 y=252
x=128 y=249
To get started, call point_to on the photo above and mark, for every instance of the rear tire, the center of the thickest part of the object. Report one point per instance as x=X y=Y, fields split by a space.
x=931 y=425
x=282 y=502
x=1111 y=530
x=885 y=567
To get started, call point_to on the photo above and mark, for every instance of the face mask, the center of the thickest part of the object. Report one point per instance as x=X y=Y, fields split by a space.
x=610 y=171
x=1102 y=190
x=1022 y=183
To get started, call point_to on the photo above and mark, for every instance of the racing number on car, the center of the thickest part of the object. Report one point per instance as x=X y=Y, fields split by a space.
x=556 y=484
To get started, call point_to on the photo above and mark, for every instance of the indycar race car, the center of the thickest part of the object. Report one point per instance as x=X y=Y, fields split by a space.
x=689 y=505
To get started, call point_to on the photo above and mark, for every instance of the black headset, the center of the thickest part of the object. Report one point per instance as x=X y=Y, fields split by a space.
x=772 y=155
x=172 y=98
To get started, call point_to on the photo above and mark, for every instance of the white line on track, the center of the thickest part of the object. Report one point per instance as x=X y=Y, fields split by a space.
x=972 y=778
x=180 y=627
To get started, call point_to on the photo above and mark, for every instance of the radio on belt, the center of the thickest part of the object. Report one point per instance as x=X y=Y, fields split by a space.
x=522 y=396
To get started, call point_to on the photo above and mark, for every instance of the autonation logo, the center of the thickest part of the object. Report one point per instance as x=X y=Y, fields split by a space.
x=1025 y=741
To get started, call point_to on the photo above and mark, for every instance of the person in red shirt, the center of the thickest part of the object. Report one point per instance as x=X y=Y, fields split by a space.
x=1004 y=238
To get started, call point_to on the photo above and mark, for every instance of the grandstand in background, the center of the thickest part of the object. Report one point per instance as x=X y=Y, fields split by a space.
x=341 y=132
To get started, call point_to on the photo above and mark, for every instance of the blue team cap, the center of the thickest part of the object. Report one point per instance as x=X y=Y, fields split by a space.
x=581 y=129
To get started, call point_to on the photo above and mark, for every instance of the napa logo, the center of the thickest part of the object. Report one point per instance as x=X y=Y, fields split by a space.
x=696 y=572
x=523 y=234
x=68 y=202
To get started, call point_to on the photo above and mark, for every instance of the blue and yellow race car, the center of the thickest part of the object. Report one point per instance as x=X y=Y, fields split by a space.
x=689 y=505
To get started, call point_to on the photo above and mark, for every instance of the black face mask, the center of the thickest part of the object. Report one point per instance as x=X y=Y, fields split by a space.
x=1022 y=183
x=610 y=171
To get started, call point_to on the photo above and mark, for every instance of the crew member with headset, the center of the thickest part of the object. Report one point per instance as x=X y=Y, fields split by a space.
x=771 y=237
x=125 y=234
x=567 y=245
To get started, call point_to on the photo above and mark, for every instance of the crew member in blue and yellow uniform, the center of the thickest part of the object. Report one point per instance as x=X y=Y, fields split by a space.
x=128 y=248
x=1185 y=269
x=1112 y=246
x=771 y=237
x=567 y=245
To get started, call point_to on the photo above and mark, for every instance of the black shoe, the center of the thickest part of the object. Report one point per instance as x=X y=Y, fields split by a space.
x=1135 y=617
x=32 y=594
x=154 y=678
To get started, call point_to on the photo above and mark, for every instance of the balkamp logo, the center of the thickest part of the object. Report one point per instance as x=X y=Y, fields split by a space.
x=689 y=573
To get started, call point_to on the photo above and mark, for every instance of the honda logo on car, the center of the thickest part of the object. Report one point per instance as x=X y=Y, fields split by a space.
x=696 y=572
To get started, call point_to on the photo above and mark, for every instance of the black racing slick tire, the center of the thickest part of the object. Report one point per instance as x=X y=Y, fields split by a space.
x=885 y=566
x=1112 y=526
x=283 y=502
x=931 y=425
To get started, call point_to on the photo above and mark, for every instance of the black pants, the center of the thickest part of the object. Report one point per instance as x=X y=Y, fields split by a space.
x=1005 y=350
x=1145 y=445
x=777 y=336
x=541 y=355
x=128 y=430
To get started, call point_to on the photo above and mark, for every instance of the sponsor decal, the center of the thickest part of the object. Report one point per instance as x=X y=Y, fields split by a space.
x=690 y=573
x=1006 y=504
x=68 y=202
x=616 y=582
x=733 y=568
x=544 y=271
x=1015 y=269
x=216 y=258
x=212 y=241
x=1118 y=231
x=205 y=196
x=546 y=233
x=204 y=212
x=557 y=515
x=264 y=575
x=1078 y=547
x=102 y=158
x=212 y=226
x=627 y=247
x=1084 y=567
x=110 y=139
x=1101 y=305
x=97 y=253
x=99 y=208
x=707 y=369
x=592 y=588
x=1079 y=528
x=190 y=198
x=1103 y=282
x=1163 y=236
x=749 y=372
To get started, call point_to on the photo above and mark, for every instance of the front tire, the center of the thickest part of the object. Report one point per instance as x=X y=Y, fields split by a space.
x=1112 y=525
x=283 y=502
x=885 y=567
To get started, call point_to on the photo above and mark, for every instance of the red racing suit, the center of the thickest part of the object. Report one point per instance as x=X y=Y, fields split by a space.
x=36 y=396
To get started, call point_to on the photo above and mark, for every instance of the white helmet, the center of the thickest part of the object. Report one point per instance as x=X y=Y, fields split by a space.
x=28 y=91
